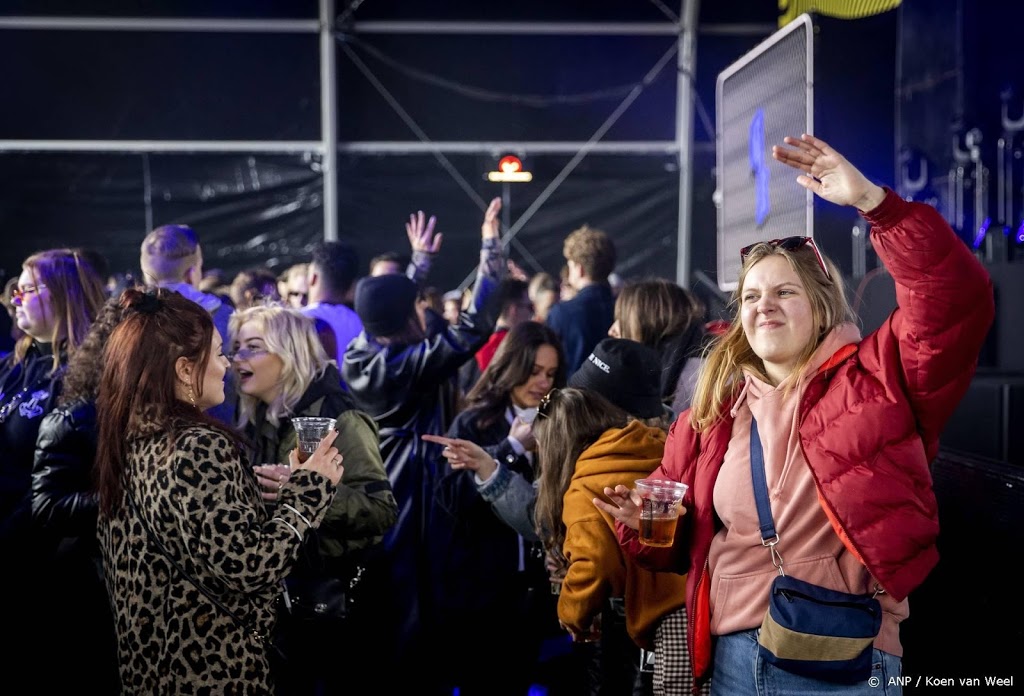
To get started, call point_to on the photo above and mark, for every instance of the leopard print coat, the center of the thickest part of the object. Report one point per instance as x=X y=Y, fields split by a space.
x=199 y=497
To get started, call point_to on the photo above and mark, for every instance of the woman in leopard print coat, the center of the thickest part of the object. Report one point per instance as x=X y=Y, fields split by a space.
x=193 y=560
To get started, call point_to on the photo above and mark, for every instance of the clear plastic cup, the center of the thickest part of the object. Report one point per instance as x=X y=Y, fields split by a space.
x=659 y=513
x=310 y=431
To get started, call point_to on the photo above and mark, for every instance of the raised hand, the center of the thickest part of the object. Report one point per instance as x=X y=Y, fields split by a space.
x=827 y=173
x=489 y=229
x=624 y=506
x=421 y=233
x=516 y=271
x=463 y=454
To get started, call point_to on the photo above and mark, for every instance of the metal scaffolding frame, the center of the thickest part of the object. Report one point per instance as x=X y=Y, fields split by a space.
x=683 y=26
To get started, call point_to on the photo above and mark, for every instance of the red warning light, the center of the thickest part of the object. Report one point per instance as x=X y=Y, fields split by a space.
x=510 y=163
x=510 y=169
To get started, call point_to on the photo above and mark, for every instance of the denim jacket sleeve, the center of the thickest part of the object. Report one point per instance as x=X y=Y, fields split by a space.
x=512 y=498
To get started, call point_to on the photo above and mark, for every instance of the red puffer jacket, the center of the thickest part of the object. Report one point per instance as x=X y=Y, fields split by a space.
x=869 y=420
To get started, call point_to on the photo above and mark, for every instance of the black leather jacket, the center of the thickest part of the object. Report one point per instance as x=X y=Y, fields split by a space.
x=63 y=497
x=28 y=391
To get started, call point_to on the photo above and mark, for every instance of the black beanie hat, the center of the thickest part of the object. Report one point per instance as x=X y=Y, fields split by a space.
x=384 y=303
x=626 y=373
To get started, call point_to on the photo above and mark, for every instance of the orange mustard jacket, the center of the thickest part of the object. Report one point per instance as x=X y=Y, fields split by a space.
x=598 y=569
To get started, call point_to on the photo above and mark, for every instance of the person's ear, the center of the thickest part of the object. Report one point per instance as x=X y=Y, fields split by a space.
x=183 y=370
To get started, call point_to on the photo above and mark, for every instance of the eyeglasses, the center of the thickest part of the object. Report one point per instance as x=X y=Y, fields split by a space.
x=247 y=353
x=18 y=294
x=790 y=244
x=545 y=404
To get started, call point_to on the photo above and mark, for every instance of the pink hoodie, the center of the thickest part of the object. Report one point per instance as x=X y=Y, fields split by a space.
x=741 y=568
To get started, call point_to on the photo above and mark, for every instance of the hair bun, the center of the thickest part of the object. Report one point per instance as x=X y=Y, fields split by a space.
x=142 y=302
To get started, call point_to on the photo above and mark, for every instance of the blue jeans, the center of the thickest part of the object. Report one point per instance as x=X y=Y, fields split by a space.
x=740 y=671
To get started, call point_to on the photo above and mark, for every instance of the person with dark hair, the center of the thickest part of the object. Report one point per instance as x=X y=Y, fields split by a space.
x=620 y=376
x=388 y=263
x=253 y=287
x=79 y=624
x=489 y=569
x=838 y=428
x=512 y=306
x=619 y=370
x=11 y=333
x=331 y=274
x=664 y=316
x=55 y=301
x=193 y=560
x=404 y=378
x=544 y=294
x=293 y=286
x=583 y=320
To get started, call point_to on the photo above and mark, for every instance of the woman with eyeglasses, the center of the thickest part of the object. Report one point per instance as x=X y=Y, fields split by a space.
x=285 y=373
x=847 y=426
x=56 y=299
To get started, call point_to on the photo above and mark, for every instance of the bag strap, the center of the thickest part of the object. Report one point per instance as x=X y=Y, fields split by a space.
x=769 y=535
x=155 y=540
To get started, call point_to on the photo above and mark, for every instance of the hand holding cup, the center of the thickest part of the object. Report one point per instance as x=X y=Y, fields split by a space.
x=624 y=506
x=271 y=477
x=325 y=459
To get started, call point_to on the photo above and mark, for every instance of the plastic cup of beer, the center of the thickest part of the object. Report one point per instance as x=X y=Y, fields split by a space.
x=310 y=431
x=660 y=510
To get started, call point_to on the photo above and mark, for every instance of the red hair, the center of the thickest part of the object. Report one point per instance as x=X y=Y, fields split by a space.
x=137 y=394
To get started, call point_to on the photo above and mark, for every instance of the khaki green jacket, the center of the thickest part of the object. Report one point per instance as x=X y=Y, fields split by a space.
x=364 y=507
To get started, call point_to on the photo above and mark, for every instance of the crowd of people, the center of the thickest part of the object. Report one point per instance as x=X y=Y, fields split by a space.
x=470 y=522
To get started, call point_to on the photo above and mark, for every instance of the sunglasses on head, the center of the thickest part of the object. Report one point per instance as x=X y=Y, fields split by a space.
x=790 y=244
x=545 y=404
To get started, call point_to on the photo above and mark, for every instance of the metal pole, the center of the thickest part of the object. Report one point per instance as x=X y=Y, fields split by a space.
x=148 y=24
x=506 y=205
x=166 y=146
x=687 y=65
x=147 y=191
x=557 y=28
x=536 y=147
x=328 y=119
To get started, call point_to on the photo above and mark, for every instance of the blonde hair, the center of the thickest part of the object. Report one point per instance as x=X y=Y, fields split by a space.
x=292 y=337
x=731 y=354
x=593 y=250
